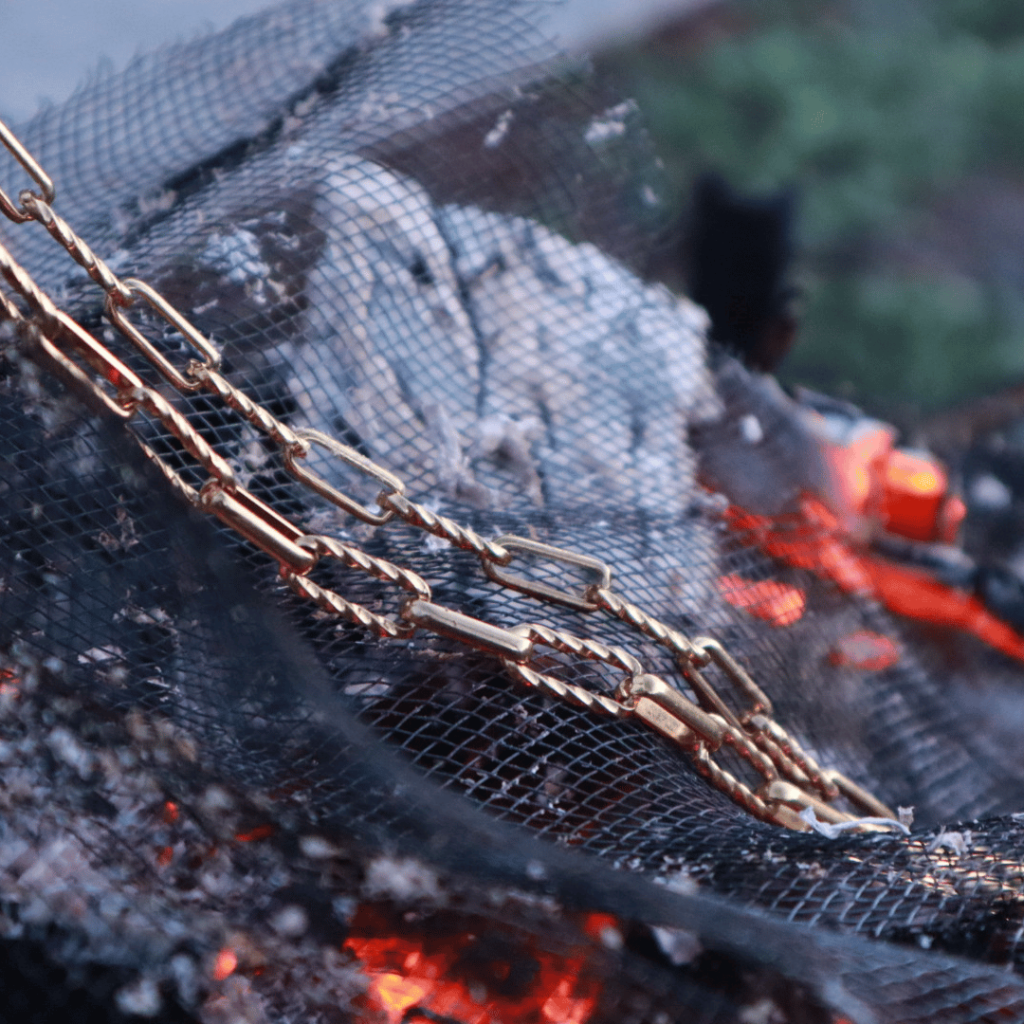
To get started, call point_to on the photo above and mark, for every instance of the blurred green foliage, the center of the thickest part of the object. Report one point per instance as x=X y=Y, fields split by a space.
x=877 y=112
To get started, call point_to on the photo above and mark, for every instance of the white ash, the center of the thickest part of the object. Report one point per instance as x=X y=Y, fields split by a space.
x=317 y=847
x=141 y=998
x=497 y=134
x=678 y=881
x=957 y=842
x=470 y=315
x=988 y=492
x=65 y=746
x=290 y=922
x=403 y=879
x=763 y=1011
x=679 y=946
x=611 y=124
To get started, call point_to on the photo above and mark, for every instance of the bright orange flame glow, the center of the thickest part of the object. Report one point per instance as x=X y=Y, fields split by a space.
x=397 y=994
x=914 y=473
x=777 y=603
x=224 y=964
x=170 y=812
x=913 y=495
x=813 y=540
x=10 y=685
x=468 y=971
x=259 y=832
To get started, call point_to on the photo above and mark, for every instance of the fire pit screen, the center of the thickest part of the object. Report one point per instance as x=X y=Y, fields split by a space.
x=607 y=722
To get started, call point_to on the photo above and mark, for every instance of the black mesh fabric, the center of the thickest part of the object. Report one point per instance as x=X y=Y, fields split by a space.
x=410 y=226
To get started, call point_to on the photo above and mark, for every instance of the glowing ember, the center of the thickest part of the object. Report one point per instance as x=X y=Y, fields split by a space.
x=259 y=832
x=813 y=539
x=9 y=684
x=467 y=970
x=170 y=812
x=777 y=603
x=224 y=964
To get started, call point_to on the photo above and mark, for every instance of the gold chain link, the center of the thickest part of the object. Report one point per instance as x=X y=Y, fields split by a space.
x=791 y=779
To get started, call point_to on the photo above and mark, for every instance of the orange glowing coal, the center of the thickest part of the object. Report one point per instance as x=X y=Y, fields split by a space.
x=469 y=970
x=774 y=602
x=224 y=964
x=10 y=685
x=255 y=834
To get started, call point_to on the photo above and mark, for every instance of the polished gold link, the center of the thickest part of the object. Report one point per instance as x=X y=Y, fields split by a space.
x=259 y=524
x=217 y=384
x=40 y=210
x=55 y=323
x=708 y=729
x=191 y=440
x=475 y=633
x=70 y=372
x=116 y=313
x=380 y=568
x=535 y=588
x=780 y=795
x=488 y=551
x=701 y=730
x=334 y=603
x=28 y=163
x=300 y=449
x=8 y=310
x=858 y=796
x=758 y=700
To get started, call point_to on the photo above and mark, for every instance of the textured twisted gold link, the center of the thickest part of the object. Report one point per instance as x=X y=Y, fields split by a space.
x=186 y=490
x=737 y=791
x=382 y=569
x=742 y=744
x=568 y=643
x=79 y=250
x=332 y=602
x=38 y=301
x=440 y=526
x=767 y=731
x=569 y=692
x=639 y=619
x=265 y=421
x=191 y=440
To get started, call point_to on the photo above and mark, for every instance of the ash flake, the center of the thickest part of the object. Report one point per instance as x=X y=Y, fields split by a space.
x=496 y=135
x=609 y=124
x=236 y=255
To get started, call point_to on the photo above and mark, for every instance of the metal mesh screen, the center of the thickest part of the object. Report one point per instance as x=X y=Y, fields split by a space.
x=411 y=229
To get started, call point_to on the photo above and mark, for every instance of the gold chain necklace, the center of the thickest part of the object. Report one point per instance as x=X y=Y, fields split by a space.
x=792 y=781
